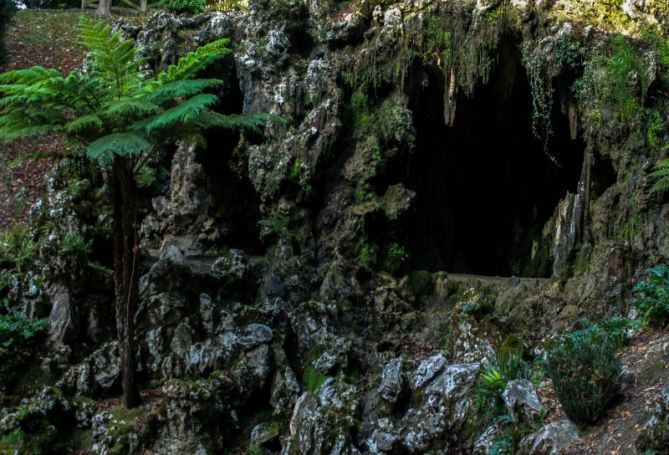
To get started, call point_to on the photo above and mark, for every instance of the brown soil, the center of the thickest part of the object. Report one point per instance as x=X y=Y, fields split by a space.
x=36 y=38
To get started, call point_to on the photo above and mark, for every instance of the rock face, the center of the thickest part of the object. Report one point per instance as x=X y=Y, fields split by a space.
x=654 y=436
x=551 y=439
x=294 y=294
x=522 y=402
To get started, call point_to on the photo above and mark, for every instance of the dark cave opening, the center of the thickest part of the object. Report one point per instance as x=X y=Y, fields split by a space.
x=235 y=204
x=485 y=187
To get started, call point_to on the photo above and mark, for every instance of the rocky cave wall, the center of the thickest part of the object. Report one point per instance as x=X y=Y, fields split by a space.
x=287 y=278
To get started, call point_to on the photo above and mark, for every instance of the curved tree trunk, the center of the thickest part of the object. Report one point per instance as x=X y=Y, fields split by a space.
x=126 y=273
x=104 y=8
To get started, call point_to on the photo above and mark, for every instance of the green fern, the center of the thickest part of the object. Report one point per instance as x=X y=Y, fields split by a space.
x=117 y=109
x=661 y=176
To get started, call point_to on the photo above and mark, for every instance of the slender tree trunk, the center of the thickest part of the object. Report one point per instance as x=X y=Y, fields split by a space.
x=126 y=273
x=104 y=8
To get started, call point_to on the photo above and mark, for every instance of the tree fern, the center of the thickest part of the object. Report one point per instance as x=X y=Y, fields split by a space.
x=120 y=114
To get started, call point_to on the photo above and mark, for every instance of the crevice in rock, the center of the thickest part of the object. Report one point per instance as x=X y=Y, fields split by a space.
x=234 y=203
x=485 y=185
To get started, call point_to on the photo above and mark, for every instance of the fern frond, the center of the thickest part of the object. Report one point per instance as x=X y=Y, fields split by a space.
x=106 y=148
x=192 y=63
x=661 y=176
x=184 y=113
x=112 y=58
x=8 y=134
x=129 y=107
x=181 y=89
x=86 y=122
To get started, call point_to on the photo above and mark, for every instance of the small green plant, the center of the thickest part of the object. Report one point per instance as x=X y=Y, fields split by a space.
x=652 y=296
x=506 y=366
x=184 y=6
x=585 y=371
x=365 y=252
x=360 y=107
x=655 y=132
x=17 y=249
x=396 y=256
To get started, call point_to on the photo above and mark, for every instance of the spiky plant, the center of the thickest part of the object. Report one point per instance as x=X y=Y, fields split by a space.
x=121 y=115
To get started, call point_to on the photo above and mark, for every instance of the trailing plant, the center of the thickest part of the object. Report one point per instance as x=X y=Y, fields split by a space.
x=436 y=43
x=585 y=371
x=652 y=296
x=542 y=93
x=122 y=116
x=7 y=11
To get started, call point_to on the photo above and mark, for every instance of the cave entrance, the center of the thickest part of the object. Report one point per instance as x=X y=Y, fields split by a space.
x=485 y=186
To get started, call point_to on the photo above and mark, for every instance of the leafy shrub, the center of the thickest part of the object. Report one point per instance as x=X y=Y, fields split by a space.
x=652 y=296
x=7 y=10
x=586 y=373
x=184 y=6
x=508 y=365
x=17 y=328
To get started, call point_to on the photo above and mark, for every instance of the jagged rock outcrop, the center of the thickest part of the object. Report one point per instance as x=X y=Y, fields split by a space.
x=294 y=290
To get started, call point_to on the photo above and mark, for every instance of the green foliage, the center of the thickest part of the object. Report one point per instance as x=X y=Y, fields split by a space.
x=652 y=296
x=7 y=10
x=395 y=256
x=360 y=107
x=502 y=445
x=117 y=109
x=586 y=373
x=76 y=247
x=542 y=93
x=365 y=253
x=17 y=328
x=436 y=45
x=660 y=175
x=311 y=377
x=184 y=6
x=655 y=132
x=17 y=249
x=507 y=365
x=619 y=80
